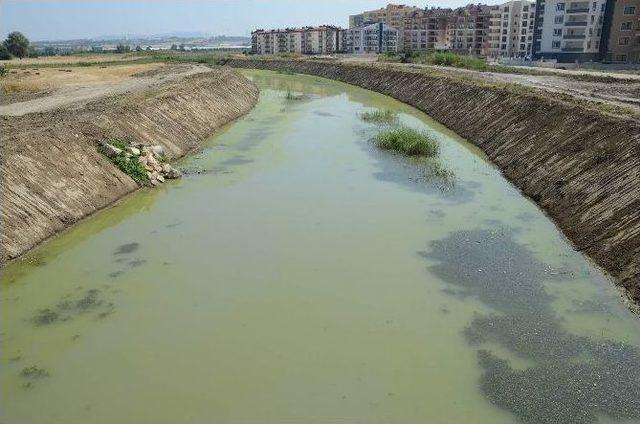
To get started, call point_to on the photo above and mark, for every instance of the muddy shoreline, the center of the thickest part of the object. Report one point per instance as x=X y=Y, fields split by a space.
x=52 y=174
x=581 y=166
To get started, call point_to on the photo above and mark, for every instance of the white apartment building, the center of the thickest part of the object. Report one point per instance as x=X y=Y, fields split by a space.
x=307 y=40
x=569 y=30
x=511 y=29
x=373 y=38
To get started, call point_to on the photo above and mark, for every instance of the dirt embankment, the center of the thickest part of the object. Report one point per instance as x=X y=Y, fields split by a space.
x=52 y=174
x=579 y=165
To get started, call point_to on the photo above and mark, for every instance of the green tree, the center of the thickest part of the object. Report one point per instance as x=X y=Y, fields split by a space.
x=121 y=48
x=4 y=53
x=138 y=48
x=174 y=47
x=17 y=44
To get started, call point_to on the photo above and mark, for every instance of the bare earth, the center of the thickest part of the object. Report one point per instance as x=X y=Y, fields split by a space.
x=46 y=89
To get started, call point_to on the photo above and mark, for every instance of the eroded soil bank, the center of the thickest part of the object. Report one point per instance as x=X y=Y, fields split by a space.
x=581 y=166
x=52 y=173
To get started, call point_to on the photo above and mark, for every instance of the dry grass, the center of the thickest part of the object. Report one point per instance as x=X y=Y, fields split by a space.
x=74 y=59
x=36 y=79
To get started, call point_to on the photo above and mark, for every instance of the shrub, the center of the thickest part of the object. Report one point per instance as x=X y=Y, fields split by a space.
x=408 y=141
x=131 y=167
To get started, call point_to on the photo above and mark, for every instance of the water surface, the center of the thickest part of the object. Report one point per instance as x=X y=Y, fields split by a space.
x=297 y=274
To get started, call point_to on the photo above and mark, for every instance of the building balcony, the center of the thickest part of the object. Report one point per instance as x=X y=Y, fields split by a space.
x=575 y=23
x=577 y=10
x=572 y=49
x=574 y=36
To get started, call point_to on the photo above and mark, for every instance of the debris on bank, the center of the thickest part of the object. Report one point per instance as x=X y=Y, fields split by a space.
x=145 y=163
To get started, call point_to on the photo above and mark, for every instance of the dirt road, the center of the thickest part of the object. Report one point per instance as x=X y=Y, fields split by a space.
x=80 y=86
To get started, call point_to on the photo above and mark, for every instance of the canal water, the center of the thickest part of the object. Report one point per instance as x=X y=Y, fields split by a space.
x=297 y=274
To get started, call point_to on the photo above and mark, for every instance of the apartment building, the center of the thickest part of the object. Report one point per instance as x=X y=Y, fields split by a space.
x=571 y=30
x=511 y=29
x=393 y=15
x=323 y=39
x=466 y=29
x=372 y=38
x=623 y=44
x=426 y=29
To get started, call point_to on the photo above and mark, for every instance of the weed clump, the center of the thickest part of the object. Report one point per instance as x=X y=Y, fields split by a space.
x=387 y=117
x=293 y=96
x=407 y=141
x=127 y=163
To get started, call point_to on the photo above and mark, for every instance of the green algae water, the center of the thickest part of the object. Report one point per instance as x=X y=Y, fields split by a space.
x=298 y=274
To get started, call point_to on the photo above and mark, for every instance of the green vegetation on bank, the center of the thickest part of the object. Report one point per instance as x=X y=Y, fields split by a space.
x=473 y=63
x=387 y=117
x=130 y=166
x=408 y=141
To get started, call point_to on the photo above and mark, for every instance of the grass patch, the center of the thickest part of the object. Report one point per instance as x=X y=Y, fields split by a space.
x=408 y=141
x=380 y=117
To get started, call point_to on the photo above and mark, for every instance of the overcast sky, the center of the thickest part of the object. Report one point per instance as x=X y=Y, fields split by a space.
x=69 y=19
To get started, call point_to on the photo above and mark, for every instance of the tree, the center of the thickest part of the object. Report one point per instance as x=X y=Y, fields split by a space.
x=148 y=48
x=121 y=48
x=4 y=53
x=174 y=47
x=138 y=48
x=17 y=44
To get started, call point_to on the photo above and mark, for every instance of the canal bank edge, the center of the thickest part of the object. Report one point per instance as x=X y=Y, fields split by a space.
x=579 y=165
x=53 y=175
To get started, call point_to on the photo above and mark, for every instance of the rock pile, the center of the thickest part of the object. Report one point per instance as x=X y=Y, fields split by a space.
x=151 y=157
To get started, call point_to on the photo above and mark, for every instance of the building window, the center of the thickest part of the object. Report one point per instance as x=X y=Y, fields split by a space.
x=623 y=41
x=560 y=7
x=555 y=44
x=629 y=10
x=557 y=32
x=560 y=19
x=594 y=6
x=626 y=26
x=621 y=58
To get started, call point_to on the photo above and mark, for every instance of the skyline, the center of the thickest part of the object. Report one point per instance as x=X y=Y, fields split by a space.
x=53 y=20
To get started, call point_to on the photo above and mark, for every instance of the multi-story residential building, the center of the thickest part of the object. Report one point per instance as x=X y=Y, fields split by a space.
x=511 y=28
x=373 y=38
x=426 y=29
x=466 y=29
x=623 y=45
x=393 y=15
x=571 y=30
x=324 y=39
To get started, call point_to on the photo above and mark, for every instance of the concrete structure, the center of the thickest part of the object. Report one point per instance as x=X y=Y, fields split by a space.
x=511 y=29
x=571 y=30
x=623 y=45
x=372 y=38
x=324 y=39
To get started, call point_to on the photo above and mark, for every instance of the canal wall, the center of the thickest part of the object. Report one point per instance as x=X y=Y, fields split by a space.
x=582 y=166
x=52 y=174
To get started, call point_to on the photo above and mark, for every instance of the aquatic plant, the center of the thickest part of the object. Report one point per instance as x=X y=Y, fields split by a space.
x=388 y=117
x=408 y=141
x=292 y=96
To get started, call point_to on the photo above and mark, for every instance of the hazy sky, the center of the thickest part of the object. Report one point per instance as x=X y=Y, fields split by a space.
x=57 y=20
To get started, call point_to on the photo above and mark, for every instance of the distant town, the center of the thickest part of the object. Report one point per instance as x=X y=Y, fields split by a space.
x=557 y=30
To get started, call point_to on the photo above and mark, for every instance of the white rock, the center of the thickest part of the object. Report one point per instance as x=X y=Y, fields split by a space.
x=134 y=151
x=109 y=150
x=160 y=178
x=166 y=168
x=157 y=150
x=172 y=174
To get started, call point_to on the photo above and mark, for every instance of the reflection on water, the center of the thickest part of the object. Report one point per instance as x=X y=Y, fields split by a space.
x=279 y=282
